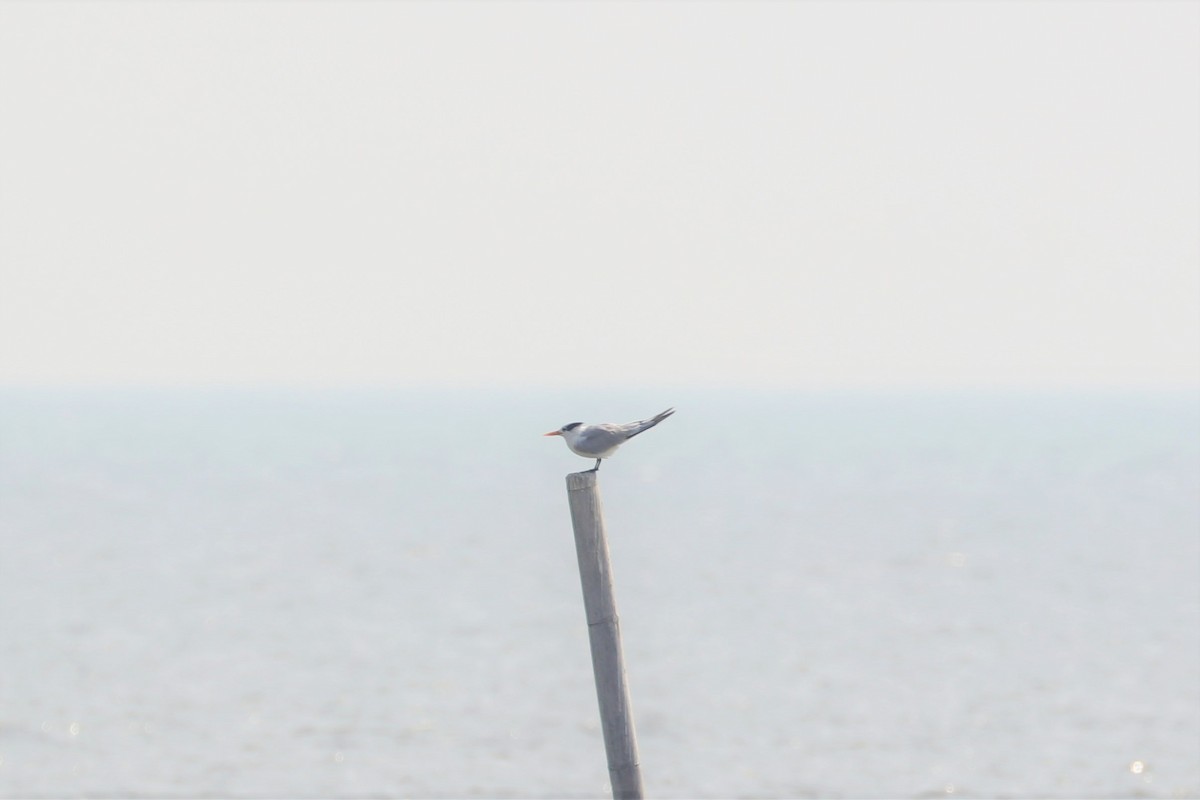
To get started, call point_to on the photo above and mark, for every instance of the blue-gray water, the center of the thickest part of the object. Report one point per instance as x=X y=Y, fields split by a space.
x=230 y=593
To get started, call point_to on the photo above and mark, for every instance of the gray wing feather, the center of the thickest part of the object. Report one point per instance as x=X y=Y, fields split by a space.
x=631 y=429
x=599 y=438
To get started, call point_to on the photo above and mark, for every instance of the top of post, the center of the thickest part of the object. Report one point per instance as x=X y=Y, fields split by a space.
x=581 y=480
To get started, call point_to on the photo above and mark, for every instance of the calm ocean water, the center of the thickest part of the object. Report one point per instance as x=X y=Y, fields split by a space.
x=340 y=594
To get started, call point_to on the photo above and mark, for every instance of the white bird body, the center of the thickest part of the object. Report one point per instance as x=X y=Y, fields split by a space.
x=601 y=440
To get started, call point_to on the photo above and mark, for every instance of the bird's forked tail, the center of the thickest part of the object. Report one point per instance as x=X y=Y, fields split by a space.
x=647 y=424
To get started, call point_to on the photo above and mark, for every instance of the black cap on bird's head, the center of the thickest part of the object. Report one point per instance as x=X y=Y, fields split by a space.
x=570 y=426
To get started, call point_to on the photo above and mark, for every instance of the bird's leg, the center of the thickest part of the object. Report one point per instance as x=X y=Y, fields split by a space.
x=595 y=468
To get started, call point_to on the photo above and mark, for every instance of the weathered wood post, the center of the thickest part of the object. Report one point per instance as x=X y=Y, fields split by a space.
x=604 y=632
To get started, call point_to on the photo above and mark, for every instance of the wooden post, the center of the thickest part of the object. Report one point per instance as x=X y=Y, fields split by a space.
x=604 y=632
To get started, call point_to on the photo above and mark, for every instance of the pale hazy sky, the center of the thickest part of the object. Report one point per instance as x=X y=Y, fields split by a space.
x=787 y=194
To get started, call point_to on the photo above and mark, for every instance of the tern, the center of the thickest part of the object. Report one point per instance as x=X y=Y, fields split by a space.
x=602 y=440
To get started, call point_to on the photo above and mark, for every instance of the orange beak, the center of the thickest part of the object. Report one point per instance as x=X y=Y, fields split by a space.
x=553 y=433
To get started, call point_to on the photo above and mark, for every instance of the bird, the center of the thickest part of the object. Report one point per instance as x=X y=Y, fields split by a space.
x=602 y=440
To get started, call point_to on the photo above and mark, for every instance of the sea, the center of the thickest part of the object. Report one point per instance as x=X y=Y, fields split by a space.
x=374 y=593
